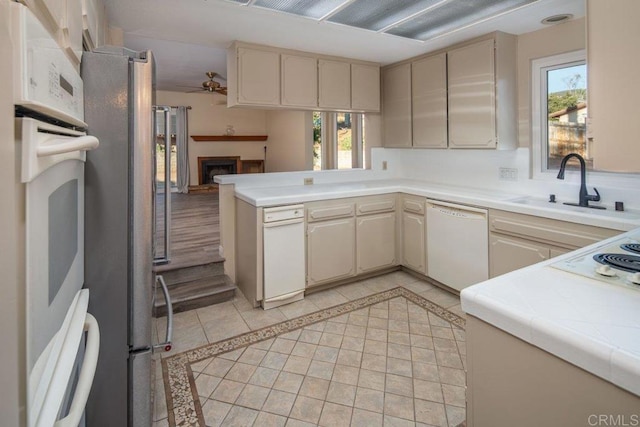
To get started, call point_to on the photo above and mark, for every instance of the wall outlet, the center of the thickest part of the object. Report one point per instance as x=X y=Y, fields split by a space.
x=508 y=174
x=384 y=165
x=308 y=181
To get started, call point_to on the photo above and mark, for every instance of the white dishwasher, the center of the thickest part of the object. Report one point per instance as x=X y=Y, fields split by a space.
x=284 y=255
x=457 y=244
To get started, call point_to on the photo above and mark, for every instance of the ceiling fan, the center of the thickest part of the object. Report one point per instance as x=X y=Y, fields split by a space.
x=211 y=85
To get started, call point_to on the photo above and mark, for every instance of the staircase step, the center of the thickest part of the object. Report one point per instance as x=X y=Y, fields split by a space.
x=176 y=274
x=195 y=294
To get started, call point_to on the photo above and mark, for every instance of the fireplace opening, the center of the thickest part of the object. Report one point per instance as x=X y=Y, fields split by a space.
x=209 y=167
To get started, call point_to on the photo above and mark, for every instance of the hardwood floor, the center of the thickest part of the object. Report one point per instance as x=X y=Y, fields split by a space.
x=195 y=229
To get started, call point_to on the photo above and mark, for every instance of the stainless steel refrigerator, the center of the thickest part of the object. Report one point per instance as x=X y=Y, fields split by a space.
x=118 y=97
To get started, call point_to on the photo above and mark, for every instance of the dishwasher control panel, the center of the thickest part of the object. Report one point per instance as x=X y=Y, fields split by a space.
x=283 y=213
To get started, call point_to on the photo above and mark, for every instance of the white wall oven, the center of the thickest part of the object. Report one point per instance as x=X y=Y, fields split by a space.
x=62 y=338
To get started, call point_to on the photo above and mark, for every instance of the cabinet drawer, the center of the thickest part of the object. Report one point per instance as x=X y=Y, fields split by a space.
x=560 y=233
x=322 y=213
x=413 y=205
x=369 y=205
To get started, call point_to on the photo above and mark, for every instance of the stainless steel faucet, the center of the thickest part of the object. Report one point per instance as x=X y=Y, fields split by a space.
x=585 y=197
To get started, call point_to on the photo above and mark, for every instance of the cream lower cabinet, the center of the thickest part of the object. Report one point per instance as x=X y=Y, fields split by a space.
x=511 y=253
x=331 y=241
x=517 y=240
x=414 y=237
x=375 y=233
x=331 y=251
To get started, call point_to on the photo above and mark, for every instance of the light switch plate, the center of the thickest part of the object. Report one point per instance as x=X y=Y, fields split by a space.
x=384 y=165
x=308 y=181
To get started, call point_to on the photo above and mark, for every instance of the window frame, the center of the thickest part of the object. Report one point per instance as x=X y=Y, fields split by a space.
x=539 y=141
x=329 y=140
x=539 y=113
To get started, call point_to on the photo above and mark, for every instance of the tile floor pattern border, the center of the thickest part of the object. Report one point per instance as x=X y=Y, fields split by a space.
x=183 y=403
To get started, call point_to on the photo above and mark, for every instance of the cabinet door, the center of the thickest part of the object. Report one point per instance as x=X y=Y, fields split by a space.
x=365 y=87
x=414 y=254
x=375 y=243
x=472 y=96
x=511 y=253
x=396 y=106
x=72 y=29
x=429 y=101
x=258 y=77
x=334 y=84
x=331 y=250
x=612 y=37
x=299 y=80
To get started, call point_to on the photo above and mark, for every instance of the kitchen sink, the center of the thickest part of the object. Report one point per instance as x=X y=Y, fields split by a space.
x=610 y=212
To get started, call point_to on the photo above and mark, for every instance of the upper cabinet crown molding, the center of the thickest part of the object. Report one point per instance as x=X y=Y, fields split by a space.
x=303 y=80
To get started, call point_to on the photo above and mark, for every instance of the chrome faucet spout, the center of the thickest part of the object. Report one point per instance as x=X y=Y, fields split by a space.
x=584 y=196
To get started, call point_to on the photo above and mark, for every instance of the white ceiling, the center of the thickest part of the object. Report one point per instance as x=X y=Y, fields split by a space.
x=190 y=37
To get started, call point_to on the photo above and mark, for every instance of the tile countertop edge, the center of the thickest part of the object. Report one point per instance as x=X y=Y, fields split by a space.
x=281 y=195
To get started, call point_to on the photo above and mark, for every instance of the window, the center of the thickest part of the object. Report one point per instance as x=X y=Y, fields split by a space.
x=338 y=140
x=559 y=111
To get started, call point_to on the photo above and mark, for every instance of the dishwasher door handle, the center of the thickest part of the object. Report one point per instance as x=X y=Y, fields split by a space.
x=436 y=203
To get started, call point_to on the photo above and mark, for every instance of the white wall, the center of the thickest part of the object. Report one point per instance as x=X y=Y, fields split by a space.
x=289 y=147
x=209 y=115
x=12 y=304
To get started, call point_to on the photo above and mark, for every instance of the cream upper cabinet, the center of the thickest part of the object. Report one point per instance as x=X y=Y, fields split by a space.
x=472 y=96
x=334 y=84
x=258 y=77
x=396 y=105
x=429 y=101
x=94 y=23
x=72 y=30
x=299 y=80
x=266 y=76
x=463 y=97
x=365 y=87
x=612 y=44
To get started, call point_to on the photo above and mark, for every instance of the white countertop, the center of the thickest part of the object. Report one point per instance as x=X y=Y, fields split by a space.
x=289 y=194
x=591 y=324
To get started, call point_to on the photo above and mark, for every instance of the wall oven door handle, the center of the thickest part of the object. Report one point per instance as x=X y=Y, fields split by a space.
x=166 y=345
x=67 y=145
x=87 y=373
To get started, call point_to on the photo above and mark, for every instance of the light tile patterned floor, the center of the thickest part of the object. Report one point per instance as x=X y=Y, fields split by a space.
x=392 y=363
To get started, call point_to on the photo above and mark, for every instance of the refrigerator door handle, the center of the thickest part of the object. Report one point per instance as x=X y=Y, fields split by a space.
x=166 y=345
x=166 y=257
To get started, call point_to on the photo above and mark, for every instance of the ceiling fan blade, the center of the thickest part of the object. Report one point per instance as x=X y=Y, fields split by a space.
x=222 y=91
x=194 y=91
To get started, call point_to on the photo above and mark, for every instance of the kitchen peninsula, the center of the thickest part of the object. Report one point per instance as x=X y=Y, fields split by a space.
x=526 y=306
